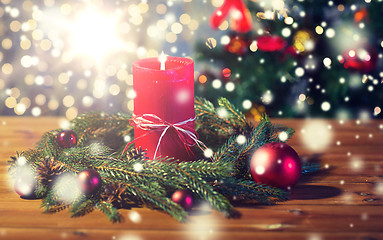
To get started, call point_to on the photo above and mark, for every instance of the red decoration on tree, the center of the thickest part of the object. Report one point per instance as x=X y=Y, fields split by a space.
x=239 y=13
x=276 y=164
x=360 y=15
x=66 y=139
x=271 y=43
x=183 y=198
x=237 y=45
x=89 y=181
x=361 y=59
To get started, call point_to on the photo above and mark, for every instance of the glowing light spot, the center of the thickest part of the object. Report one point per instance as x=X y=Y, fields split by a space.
x=330 y=33
x=327 y=62
x=134 y=216
x=316 y=135
x=241 y=139
x=138 y=167
x=68 y=101
x=87 y=101
x=211 y=43
x=267 y=97
x=377 y=111
x=114 y=89
x=283 y=136
x=222 y=113
x=66 y=187
x=260 y=170
x=216 y=83
x=230 y=86
x=302 y=97
x=325 y=106
x=289 y=20
x=95 y=34
x=176 y=28
x=356 y=163
x=202 y=79
x=225 y=40
x=253 y=46
x=21 y=161
x=246 y=104
x=7 y=68
x=127 y=138
x=36 y=111
x=319 y=30
x=71 y=113
x=286 y=32
x=299 y=72
x=20 y=109
x=208 y=153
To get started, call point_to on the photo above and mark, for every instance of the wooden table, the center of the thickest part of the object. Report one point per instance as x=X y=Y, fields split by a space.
x=343 y=202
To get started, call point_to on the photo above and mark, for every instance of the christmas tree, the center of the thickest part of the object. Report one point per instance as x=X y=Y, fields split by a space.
x=297 y=58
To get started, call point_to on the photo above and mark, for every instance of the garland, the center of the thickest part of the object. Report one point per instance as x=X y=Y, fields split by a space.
x=129 y=180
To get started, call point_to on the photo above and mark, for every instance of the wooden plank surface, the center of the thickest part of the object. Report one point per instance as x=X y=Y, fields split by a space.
x=342 y=202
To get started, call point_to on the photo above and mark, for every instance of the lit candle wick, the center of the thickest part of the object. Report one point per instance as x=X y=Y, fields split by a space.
x=162 y=59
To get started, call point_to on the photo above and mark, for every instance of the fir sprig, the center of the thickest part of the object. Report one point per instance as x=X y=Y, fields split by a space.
x=130 y=180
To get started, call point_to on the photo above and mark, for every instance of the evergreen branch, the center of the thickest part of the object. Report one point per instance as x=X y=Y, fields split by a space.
x=110 y=211
x=162 y=202
x=250 y=190
x=82 y=207
x=236 y=115
x=205 y=191
x=130 y=180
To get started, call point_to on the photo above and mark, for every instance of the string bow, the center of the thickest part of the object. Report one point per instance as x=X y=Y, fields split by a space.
x=152 y=123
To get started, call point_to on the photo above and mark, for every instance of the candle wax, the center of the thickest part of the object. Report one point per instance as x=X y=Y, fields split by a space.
x=169 y=94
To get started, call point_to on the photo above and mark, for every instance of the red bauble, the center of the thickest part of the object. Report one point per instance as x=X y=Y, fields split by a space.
x=183 y=198
x=240 y=14
x=66 y=138
x=89 y=181
x=360 y=59
x=271 y=43
x=237 y=45
x=276 y=164
x=25 y=186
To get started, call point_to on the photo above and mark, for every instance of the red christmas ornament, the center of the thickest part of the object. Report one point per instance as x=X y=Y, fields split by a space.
x=271 y=43
x=239 y=13
x=276 y=164
x=361 y=59
x=66 y=139
x=25 y=186
x=89 y=181
x=360 y=15
x=237 y=45
x=183 y=198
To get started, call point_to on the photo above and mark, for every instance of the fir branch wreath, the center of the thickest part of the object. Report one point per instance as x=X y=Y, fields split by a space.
x=130 y=180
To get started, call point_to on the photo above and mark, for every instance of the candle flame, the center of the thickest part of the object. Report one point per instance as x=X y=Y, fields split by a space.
x=162 y=59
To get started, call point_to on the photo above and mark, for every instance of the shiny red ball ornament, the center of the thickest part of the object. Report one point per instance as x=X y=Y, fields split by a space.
x=361 y=59
x=89 y=181
x=239 y=13
x=276 y=164
x=271 y=43
x=66 y=138
x=183 y=198
x=25 y=186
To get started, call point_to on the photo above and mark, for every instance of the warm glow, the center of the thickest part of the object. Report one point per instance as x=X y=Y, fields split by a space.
x=162 y=59
x=94 y=34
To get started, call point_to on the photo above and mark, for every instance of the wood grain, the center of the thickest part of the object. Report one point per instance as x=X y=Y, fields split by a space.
x=342 y=202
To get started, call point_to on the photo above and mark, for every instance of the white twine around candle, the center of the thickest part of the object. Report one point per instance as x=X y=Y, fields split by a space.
x=151 y=122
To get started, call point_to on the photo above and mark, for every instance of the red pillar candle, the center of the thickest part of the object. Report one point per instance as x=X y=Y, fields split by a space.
x=169 y=95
